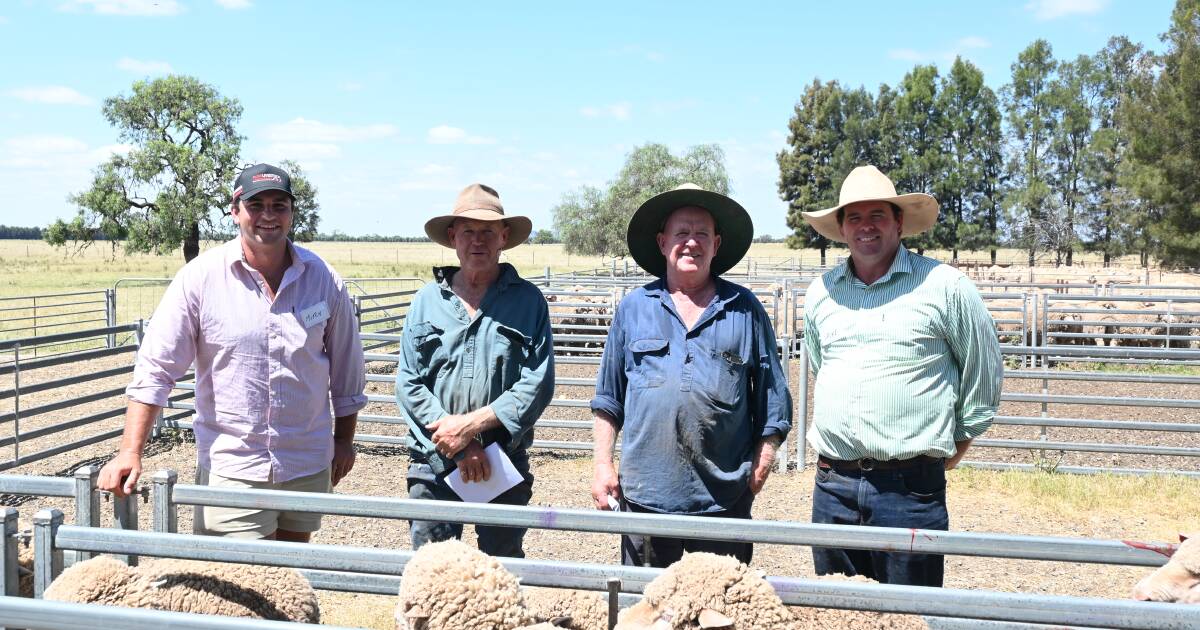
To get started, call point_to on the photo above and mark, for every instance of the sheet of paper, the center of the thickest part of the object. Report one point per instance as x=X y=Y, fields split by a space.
x=504 y=476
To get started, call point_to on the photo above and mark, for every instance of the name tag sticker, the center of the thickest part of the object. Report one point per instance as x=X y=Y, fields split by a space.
x=315 y=314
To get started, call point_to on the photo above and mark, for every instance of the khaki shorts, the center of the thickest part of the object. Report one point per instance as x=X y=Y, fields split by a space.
x=251 y=523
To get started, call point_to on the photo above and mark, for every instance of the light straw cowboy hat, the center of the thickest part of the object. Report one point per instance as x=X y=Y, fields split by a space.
x=481 y=203
x=866 y=183
x=732 y=222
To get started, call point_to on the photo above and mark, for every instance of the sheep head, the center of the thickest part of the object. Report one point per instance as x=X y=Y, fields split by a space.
x=644 y=616
x=1176 y=581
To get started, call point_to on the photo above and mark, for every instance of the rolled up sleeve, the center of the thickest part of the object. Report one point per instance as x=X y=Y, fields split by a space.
x=168 y=346
x=972 y=340
x=611 y=380
x=519 y=407
x=347 y=371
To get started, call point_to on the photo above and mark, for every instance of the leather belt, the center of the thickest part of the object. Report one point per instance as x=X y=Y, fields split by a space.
x=867 y=464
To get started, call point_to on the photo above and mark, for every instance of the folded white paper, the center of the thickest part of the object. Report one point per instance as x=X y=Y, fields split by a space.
x=504 y=476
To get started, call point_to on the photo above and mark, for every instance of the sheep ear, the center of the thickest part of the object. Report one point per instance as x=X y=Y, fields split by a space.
x=710 y=618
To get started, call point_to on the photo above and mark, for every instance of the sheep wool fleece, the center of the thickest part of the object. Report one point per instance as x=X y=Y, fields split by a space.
x=585 y=610
x=232 y=590
x=451 y=586
x=722 y=584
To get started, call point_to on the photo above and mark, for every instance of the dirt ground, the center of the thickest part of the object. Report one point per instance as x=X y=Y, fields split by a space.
x=563 y=480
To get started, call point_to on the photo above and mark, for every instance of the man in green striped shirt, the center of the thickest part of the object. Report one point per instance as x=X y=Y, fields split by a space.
x=908 y=372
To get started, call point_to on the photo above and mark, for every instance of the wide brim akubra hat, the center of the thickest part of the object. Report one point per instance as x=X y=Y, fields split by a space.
x=866 y=183
x=481 y=203
x=732 y=221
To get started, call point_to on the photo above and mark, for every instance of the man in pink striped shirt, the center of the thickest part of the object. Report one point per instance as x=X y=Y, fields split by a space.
x=272 y=332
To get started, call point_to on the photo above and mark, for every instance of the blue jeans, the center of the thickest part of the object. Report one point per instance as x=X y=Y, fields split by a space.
x=494 y=541
x=908 y=497
x=666 y=551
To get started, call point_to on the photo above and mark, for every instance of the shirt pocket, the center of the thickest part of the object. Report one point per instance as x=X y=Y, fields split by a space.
x=730 y=385
x=426 y=340
x=649 y=357
x=510 y=352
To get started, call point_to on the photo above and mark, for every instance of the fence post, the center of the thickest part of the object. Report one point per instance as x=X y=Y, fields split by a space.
x=1170 y=324
x=614 y=593
x=9 y=555
x=87 y=502
x=47 y=557
x=802 y=402
x=17 y=403
x=165 y=512
x=1044 y=340
x=125 y=516
x=110 y=314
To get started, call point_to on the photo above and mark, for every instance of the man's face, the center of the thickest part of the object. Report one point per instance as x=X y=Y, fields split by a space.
x=478 y=243
x=265 y=218
x=872 y=230
x=689 y=241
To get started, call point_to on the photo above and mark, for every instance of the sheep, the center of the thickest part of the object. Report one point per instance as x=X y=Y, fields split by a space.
x=233 y=590
x=704 y=590
x=576 y=610
x=1176 y=581
x=448 y=585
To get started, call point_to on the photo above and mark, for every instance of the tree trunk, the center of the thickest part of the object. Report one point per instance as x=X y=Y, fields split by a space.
x=822 y=255
x=993 y=256
x=191 y=244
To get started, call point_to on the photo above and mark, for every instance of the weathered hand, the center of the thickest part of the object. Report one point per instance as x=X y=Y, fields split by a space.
x=764 y=458
x=120 y=475
x=474 y=464
x=343 y=460
x=452 y=433
x=605 y=485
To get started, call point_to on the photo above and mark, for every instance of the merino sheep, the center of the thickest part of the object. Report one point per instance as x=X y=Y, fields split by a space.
x=709 y=591
x=576 y=610
x=233 y=590
x=1176 y=581
x=449 y=586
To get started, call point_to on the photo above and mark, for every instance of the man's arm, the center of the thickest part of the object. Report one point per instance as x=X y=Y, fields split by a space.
x=120 y=475
x=971 y=337
x=960 y=449
x=764 y=458
x=520 y=405
x=770 y=401
x=605 y=482
x=343 y=447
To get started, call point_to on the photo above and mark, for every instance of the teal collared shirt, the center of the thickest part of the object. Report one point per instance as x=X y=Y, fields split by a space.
x=451 y=363
x=905 y=366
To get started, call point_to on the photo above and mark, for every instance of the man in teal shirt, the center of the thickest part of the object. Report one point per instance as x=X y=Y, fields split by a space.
x=908 y=372
x=476 y=366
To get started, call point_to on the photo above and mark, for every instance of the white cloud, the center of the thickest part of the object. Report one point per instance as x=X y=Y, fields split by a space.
x=42 y=152
x=235 y=4
x=303 y=130
x=137 y=66
x=618 y=111
x=51 y=95
x=123 y=7
x=958 y=48
x=974 y=41
x=1053 y=9
x=445 y=134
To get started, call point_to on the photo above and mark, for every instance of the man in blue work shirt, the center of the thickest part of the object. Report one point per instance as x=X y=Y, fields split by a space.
x=476 y=366
x=690 y=372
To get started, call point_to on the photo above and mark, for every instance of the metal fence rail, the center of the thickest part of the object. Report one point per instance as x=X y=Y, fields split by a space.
x=51 y=538
x=34 y=315
x=40 y=614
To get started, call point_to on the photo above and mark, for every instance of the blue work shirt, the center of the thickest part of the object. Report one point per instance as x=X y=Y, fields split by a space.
x=692 y=404
x=452 y=363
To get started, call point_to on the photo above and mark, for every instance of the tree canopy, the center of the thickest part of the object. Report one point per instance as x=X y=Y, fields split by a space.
x=592 y=221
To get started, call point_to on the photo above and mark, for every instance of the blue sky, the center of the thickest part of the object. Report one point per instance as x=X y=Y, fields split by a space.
x=393 y=107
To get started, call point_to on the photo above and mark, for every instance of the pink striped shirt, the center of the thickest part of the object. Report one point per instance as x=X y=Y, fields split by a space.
x=267 y=372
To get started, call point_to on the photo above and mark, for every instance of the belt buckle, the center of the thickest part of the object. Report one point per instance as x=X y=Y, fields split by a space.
x=866 y=464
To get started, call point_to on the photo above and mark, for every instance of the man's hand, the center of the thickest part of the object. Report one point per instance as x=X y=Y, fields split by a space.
x=960 y=449
x=120 y=475
x=764 y=458
x=605 y=485
x=474 y=464
x=343 y=460
x=452 y=433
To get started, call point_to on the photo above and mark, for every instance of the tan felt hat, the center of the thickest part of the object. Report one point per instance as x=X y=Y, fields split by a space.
x=481 y=203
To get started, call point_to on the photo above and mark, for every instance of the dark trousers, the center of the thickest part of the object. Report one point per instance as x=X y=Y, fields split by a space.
x=494 y=541
x=909 y=497
x=665 y=551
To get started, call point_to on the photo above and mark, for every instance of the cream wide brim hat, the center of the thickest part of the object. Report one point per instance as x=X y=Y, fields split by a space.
x=481 y=203
x=867 y=183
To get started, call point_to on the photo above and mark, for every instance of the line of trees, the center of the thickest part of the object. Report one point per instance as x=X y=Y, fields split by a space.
x=21 y=233
x=1095 y=153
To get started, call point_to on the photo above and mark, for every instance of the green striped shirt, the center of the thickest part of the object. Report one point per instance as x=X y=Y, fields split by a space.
x=905 y=367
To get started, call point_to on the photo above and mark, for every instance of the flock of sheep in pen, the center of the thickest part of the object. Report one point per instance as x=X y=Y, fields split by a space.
x=451 y=586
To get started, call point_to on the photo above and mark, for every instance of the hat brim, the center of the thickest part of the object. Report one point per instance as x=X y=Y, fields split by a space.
x=733 y=224
x=519 y=227
x=920 y=212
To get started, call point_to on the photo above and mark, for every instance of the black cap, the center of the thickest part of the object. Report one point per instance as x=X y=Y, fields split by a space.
x=259 y=177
